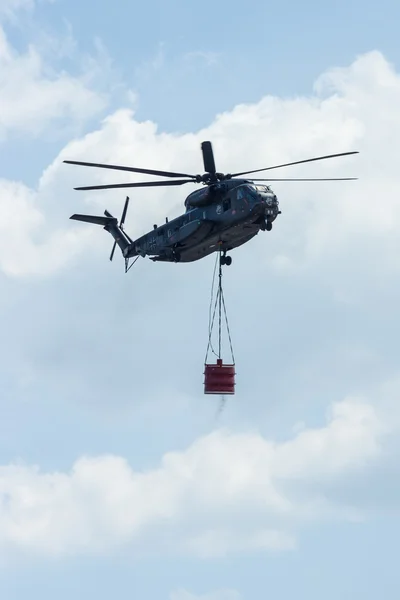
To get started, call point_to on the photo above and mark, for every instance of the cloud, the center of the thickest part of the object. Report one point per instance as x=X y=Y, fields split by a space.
x=32 y=97
x=17 y=246
x=226 y=493
x=37 y=97
x=335 y=249
x=341 y=116
x=312 y=307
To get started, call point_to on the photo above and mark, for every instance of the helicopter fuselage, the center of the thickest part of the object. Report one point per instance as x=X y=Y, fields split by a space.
x=217 y=218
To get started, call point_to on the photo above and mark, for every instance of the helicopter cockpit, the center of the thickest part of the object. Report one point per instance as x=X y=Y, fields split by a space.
x=264 y=191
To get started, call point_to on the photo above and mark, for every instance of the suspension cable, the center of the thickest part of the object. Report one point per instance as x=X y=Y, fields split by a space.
x=227 y=327
x=210 y=319
x=131 y=265
x=220 y=302
x=210 y=330
x=219 y=307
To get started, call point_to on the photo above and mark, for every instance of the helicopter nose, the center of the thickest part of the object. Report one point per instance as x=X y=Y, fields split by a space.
x=269 y=201
x=270 y=205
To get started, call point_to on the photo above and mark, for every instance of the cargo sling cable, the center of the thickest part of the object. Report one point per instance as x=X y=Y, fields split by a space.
x=219 y=378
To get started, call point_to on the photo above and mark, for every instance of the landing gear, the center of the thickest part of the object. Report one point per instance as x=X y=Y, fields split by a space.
x=226 y=260
x=265 y=225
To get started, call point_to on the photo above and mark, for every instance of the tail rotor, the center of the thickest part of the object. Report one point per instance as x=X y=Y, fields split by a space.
x=121 y=223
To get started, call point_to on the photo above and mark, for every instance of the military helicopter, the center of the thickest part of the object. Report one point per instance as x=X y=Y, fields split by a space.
x=225 y=214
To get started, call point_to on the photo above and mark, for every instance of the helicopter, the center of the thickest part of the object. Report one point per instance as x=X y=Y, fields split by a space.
x=227 y=212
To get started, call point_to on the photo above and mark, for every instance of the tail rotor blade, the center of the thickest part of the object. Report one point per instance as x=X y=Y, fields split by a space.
x=113 y=250
x=121 y=224
x=124 y=212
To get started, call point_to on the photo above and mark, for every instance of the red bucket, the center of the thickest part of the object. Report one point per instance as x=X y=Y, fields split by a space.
x=219 y=378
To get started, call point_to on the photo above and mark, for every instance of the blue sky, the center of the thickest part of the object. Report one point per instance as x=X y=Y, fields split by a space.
x=189 y=64
x=206 y=59
x=117 y=478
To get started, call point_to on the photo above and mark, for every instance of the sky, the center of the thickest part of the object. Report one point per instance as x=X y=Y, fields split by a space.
x=119 y=478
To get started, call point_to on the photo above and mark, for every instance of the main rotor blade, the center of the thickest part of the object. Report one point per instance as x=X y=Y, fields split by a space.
x=318 y=179
x=298 y=162
x=130 y=169
x=208 y=158
x=137 y=184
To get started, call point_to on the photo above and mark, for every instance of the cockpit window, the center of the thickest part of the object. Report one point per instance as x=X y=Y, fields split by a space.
x=252 y=190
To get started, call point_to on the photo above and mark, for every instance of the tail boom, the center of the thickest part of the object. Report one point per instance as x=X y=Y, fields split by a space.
x=110 y=224
x=105 y=221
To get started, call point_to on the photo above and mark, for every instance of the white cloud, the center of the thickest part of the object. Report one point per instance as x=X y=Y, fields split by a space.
x=226 y=493
x=18 y=251
x=320 y=222
x=339 y=239
x=33 y=96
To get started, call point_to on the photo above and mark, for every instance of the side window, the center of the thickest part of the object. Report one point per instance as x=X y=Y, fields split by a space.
x=227 y=204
